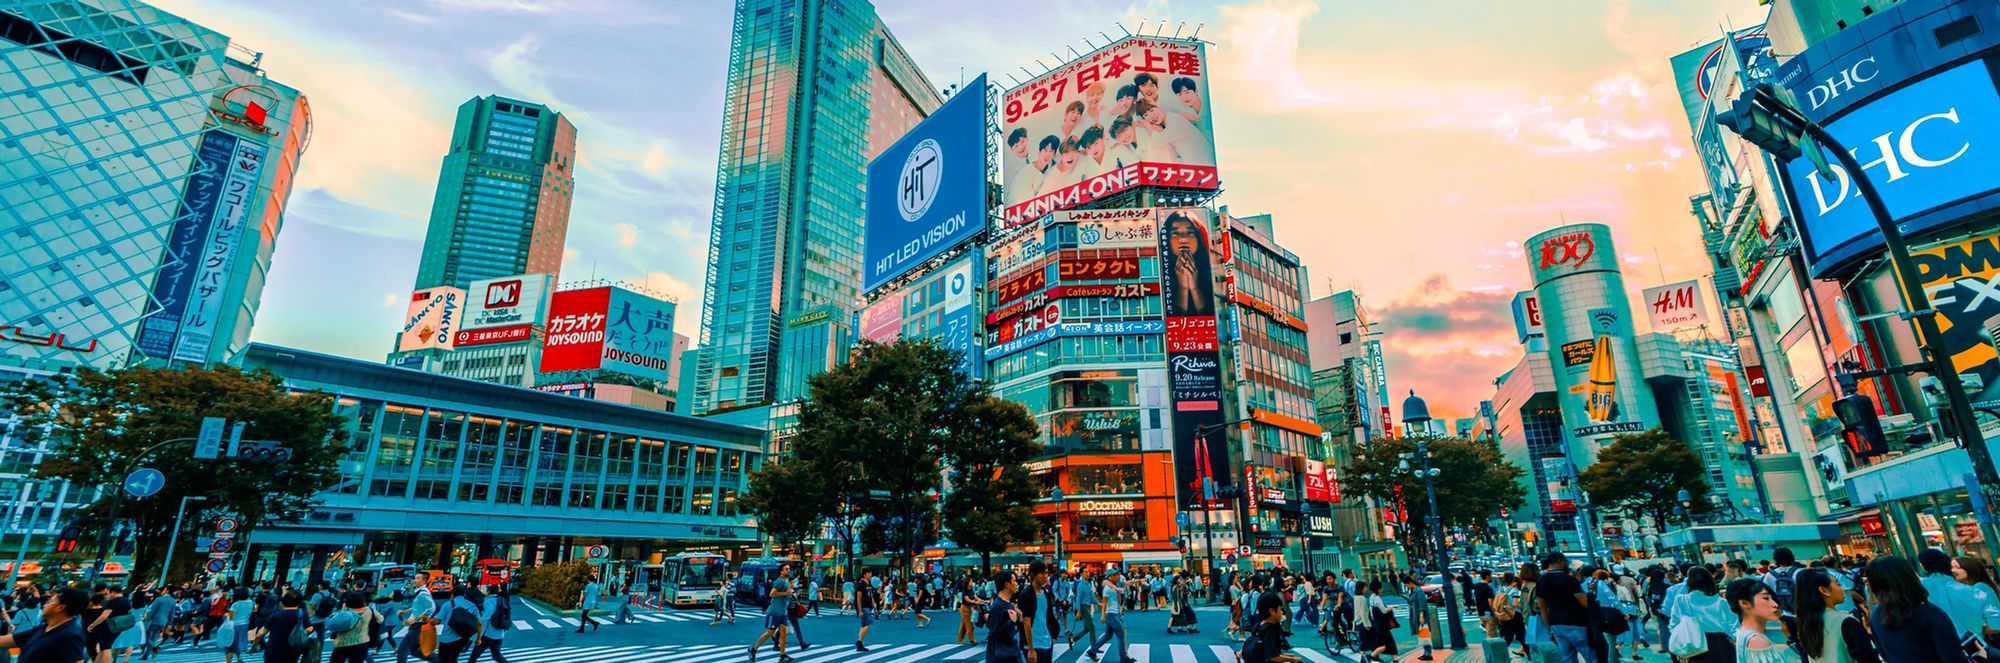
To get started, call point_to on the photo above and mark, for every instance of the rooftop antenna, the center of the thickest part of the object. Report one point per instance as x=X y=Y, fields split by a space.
x=1121 y=28
x=1197 y=31
x=1030 y=74
x=1142 y=26
x=1177 y=29
x=1072 y=50
x=1107 y=38
x=1011 y=80
x=1161 y=30
x=1086 y=42
x=1058 y=58
x=1038 y=61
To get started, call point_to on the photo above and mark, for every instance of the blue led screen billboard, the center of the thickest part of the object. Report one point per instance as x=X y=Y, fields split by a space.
x=1925 y=146
x=927 y=192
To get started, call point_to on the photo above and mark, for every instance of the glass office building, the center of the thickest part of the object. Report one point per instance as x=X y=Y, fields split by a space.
x=502 y=205
x=815 y=90
x=145 y=163
x=443 y=468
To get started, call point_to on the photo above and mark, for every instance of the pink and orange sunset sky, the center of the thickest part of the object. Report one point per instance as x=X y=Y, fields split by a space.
x=1405 y=148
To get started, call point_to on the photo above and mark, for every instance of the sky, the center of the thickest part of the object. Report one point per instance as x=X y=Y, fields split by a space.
x=1405 y=149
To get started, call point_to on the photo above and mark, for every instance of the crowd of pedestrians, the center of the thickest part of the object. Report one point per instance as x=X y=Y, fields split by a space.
x=268 y=622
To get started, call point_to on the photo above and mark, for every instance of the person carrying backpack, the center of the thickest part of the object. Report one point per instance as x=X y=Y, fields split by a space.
x=1783 y=578
x=458 y=624
x=497 y=612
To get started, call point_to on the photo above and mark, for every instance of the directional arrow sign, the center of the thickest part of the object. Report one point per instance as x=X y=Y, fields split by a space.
x=144 y=482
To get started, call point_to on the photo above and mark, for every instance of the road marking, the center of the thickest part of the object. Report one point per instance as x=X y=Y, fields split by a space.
x=545 y=624
x=969 y=653
x=1316 y=657
x=531 y=606
x=1181 y=653
x=522 y=625
x=1223 y=652
x=926 y=654
x=1139 y=651
x=572 y=621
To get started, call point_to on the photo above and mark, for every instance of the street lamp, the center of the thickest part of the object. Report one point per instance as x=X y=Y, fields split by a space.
x=1418 y=414
x=1764 y=116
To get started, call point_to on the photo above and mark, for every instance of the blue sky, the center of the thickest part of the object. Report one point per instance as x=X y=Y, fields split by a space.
x=1406 y=148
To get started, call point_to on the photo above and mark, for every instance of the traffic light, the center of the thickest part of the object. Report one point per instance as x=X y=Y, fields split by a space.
x=1761 y=128
x=67 y=543
x=1860 y=425
x=263 y=451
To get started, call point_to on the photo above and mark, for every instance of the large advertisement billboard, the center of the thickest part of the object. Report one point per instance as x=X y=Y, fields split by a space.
x=1963 y=280
x=1930 y=148
x=210 y=293
x=927 y=192
x=574 y=339
x=1194 y=361
x=174 y=280
x=1527 y=315
x=1676 y=306
x=1695 y=71
x=507 y=301
x=430 y=319
x=1134 y=113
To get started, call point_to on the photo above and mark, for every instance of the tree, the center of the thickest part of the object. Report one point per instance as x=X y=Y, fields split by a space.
x=988 y=506
x=100 y=425
x=790 y=500
x=1473 y=483
x=880 y=423
x=1643 y=474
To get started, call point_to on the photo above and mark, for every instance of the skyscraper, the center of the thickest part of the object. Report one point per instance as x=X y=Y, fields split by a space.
x=816 y=88
x=145 y=163
x=502 y=205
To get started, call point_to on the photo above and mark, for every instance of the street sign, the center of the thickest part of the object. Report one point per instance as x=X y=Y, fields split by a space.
x=217 y=555
x=225 y=535
x=1243 y=550
x=598 y=552
x=221 y=545
x=209 y=443
x=235 y=438
x=145 y=482
x=225 y=524
x=217 y=565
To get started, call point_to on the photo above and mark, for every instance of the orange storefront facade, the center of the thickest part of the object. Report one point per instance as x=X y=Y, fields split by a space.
x=1116 y=508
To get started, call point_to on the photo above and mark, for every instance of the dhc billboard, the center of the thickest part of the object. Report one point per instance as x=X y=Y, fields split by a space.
x=927 y=192
x=1925 y=146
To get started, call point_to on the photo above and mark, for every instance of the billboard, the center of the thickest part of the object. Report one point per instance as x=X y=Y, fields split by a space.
x=638 y=335
x=507 y=302
x=173 y=283
x=882 y=321
x=1527 y=315
x=1925 y=146
x=1962 y=278
x=1676 y=306
x=430 y=319
x=574 y=337
x=218 y=257
x=1134 y=113
x=1695 y=70
x=466 y=338
x=1194 y=365
x=927 y=192
x=1113 y=228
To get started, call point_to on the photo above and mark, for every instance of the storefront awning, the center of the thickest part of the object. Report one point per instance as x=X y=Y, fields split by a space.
x=1152 y=557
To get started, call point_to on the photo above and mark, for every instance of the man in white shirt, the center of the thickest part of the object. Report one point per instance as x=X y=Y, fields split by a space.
x=1111 y=601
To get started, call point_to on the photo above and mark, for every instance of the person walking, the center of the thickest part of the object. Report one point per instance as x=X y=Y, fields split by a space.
x=159 y=618
x=1266 y=642
x=1003 y=622
x=865 y=605
x=1757 y=607
x=587 y=603
x=1824 y=633
x=496 y=614
x=1702 y=603
x=1509 y=620
x=291 y=616
x=351 y=629
x=456 y=633
x=1909 y=626
x=777 y=614
x=59 y=635
x=1563 y=606
x=1111 y=603
x=1374 y=624
x=1181 y=604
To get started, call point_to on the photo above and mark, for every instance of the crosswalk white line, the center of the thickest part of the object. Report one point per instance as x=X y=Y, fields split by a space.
x=545 y=624
x=1140 y=652
x=522 y=625
x=719 y=653
x=878 y=654
x=924 y=655
x=1181 y=653
x=1223 y=652
x=1316 y=657
x=969 y=653
x=572 y=621
x=592 y=654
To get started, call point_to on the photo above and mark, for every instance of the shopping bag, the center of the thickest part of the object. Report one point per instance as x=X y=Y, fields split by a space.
x=427 y=639
x=1685 y=638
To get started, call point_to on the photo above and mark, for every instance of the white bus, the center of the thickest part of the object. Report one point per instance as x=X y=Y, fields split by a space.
x=691 y=579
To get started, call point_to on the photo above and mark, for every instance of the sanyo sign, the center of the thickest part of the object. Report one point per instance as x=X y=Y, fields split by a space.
x=1928 y=144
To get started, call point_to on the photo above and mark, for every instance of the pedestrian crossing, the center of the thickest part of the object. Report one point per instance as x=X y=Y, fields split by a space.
x=877 y=653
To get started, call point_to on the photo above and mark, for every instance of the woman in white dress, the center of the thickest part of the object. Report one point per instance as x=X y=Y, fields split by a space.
x=1756 y=609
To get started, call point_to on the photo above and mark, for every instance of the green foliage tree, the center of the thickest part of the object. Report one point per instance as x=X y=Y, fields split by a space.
x=1473 y=483
x=884 y=424
x=790 y=499
x=1643 y=474
x=988 y=505
x=101 y=425
x=559 y=585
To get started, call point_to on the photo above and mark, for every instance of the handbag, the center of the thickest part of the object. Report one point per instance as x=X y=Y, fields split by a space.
x=1685 y=638
x=427 y=638
x=798 y=610
x=1609 y=620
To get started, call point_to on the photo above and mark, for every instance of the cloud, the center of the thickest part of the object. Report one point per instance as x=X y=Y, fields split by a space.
x=517 y=6
x=1448 y=343
x=389 y=299
x=514 y=68
x=628 y=234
